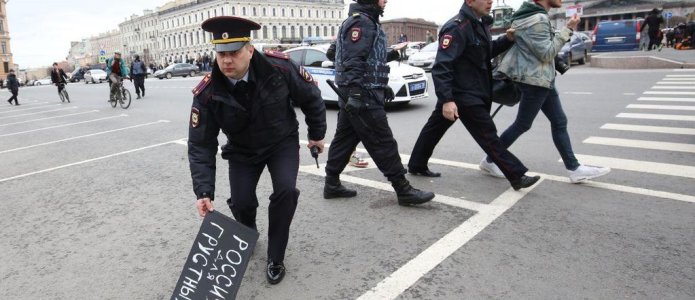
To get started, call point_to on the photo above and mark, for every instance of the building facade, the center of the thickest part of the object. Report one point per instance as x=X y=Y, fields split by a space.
x=415 y=29
x=139 y=36
x=596 y=11
x=5 y=50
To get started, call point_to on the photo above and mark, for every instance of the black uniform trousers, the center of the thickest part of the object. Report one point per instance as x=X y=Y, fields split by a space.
x=371 y=127
x=14 y=92
x=283 y=166
x=139 y=82
x=477 y=120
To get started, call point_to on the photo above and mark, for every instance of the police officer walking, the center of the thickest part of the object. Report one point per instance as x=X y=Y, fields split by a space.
x=249 y=97
x=362 y=75
x=462 y=75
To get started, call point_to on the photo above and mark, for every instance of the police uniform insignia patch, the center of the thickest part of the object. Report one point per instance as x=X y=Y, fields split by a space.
x=276 y=54
x=195 y=117
x=355 y=34
x=202 y=85
x=306 y=75
x=446 y=41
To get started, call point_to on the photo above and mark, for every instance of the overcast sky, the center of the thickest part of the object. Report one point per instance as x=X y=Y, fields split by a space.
x=41 y=30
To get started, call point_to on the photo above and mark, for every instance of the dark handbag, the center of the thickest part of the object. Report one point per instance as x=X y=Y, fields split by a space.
x=505 y=91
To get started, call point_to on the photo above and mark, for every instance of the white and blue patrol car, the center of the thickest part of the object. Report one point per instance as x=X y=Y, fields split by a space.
x=408 y=83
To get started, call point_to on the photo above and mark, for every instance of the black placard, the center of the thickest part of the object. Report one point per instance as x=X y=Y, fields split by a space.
x=217 y=261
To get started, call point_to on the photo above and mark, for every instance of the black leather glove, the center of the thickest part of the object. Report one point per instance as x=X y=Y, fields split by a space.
x=388 y=94
x=355 y=104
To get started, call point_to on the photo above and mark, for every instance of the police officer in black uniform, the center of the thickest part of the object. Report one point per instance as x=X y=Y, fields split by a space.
x=462 y=75
x=249 y=97
x=362 y=75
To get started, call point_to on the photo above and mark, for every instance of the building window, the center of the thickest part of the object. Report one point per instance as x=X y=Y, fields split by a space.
x=265 y=12
x=254 y=12
x=284 y=32
x=275 y=32
x=308 y=13
x=292 y=13
x=325 y=30
x=301 y=13
x=301 y=31
x=189 y=20
x=265 y=32
x=325 y=14
x=308 y=31
x=233 y=11
x=332 y=30
x=333 y=14
x=4 y=48
x=318 y=31
x=283 y=12
x=243 y=11
x=274 y=12
x=292 y=33
x=215 y=12
x=222 y=13
x=340 y=14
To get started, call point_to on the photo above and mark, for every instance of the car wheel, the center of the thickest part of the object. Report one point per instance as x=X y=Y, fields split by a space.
x=168 y=75
x=160 y=78
x=191 y=74
x=583 y=59
x=38 y=83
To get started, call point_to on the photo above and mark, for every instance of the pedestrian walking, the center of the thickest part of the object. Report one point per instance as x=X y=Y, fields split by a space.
x=139 y=72
x=654 y=21
x=530 y=64
x=362 y=76
x=249 y=96
x=13 y=86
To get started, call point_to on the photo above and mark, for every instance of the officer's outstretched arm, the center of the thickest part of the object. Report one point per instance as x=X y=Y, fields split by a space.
x=452 y=43
x=500 y=45
x=202 y=150
x=305 y=92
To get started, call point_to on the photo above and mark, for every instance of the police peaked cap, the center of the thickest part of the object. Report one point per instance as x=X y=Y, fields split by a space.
x=229 y=33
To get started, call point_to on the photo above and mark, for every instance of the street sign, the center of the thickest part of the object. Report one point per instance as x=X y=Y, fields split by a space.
x=669 y=15
x=102 y=52
x=102 y=59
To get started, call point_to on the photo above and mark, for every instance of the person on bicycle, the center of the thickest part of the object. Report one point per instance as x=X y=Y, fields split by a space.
x=115 y=72
x=58 y=77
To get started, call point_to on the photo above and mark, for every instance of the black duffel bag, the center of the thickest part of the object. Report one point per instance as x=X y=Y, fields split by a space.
x=505 y=91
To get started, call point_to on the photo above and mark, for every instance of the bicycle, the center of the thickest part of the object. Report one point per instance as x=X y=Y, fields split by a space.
x=63 y=93
x=122 y=97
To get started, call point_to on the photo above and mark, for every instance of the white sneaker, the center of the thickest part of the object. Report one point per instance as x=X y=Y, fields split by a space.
x=490 y=168
x=584 y=173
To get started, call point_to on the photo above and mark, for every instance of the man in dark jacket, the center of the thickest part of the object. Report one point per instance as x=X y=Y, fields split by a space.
x=249 y=97
x=139 y=72
x=13 y=86
x=462 y=75
x=653 y=21
x=58 y=77
x=362 y=75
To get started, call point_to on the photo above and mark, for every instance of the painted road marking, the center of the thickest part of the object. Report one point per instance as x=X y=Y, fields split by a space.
x=673 y=87
x=656 y=117
x=407 y=275
x=84 y=161
x=686 y=75
x=34 y=120
x=639 y=166
x=24 y=104
x=654 y=129
x=64 y=125
x=675 y=82
x=641 y=144
x=31 y=108
x=661 y=107
x=83 y=136
x=677 y=79
x=666 y=99
x=37 y=113
x=668 y=93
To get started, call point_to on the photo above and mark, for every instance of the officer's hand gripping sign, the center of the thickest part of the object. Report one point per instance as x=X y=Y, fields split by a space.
x=217 y=261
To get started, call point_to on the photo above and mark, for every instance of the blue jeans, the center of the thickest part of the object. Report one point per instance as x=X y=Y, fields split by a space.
x=533 y=100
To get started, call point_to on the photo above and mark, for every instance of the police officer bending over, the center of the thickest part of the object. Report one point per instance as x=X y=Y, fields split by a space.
x=362 y=75
x=248 y=96
x=462 y=75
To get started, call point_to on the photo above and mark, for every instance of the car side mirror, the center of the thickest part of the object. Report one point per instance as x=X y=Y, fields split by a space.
x=327 y=64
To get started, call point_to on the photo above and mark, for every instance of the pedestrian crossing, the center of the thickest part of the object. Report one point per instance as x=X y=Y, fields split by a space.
x=662 y=123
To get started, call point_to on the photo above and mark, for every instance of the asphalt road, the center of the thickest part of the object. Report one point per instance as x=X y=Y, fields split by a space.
x=97 y=203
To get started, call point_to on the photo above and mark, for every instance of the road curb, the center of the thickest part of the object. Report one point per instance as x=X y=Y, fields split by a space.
x=638 y=62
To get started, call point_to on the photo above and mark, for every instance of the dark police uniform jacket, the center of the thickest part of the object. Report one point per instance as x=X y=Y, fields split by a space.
x=255 y=128
x=462 y=70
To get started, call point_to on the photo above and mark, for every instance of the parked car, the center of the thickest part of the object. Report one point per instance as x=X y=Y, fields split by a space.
x=623 y=35
x=94 y=76
x=181 y=69
x=577 y=49
x=425 y=58
x=43 y=81
x=408 y=83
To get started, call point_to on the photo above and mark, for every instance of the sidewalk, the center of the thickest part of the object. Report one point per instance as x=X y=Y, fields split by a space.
x=667 y=58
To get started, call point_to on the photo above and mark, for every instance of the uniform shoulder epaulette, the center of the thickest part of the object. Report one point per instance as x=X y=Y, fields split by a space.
x=202 y=85
x=276 y=54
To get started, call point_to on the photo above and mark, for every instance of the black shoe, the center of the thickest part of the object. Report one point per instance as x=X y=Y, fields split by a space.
x=334 y=189
x=524 y=182
x=274 y=272
x=17 y=104
x=138 y=97
x=9 y=101
x=425 y=173
x=408 y=195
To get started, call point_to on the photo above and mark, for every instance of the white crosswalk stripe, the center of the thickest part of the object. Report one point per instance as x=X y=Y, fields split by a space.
x=668 y=99
x=653 y=129
x=639 y=166
x=656 y=117
x=661 y=107
x=673 y=87
x=676 y=82
x=668 y=93
x=641 y=144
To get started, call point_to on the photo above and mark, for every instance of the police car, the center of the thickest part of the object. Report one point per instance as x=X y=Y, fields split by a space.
x=408 y=83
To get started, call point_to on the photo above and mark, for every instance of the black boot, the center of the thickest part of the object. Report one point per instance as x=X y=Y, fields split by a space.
x=408 y=195
x=524 y=182
x=334 y=189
